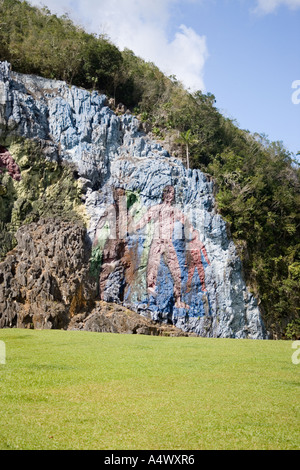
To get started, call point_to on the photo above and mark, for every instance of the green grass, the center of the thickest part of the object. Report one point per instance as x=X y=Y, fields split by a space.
x=81 y=390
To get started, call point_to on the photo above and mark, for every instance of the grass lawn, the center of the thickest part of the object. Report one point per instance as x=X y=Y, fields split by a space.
x=82 y=390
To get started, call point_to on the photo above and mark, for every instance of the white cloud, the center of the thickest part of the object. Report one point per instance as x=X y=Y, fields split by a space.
x=144 y=27
x=185 y=57
x=269 y=6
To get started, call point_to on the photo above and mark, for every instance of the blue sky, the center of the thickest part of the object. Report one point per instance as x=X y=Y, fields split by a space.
x=245 y=52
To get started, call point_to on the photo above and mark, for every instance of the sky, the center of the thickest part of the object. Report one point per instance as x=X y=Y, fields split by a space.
x=245 y=52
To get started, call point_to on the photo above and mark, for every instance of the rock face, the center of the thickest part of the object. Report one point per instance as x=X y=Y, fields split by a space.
x=113 y=318
x=45 y=280
x=158 y=246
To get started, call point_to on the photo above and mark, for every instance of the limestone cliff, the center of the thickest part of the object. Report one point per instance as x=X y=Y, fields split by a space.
x=45 y=281
x=157 y=244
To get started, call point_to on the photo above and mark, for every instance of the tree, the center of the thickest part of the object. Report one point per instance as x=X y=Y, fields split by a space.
x=101 y=60
x=187 y=139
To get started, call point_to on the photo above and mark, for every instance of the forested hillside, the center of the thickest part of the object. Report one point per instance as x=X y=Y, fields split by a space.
x=257 y=182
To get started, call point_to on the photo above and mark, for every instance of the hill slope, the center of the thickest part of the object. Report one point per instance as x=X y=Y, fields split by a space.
x=256 y=182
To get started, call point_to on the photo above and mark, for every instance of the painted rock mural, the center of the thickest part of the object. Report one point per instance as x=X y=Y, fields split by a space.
x=157 y=244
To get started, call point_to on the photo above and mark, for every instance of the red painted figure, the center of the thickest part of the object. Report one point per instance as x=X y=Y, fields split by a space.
x=194 y=259
x=164 y=216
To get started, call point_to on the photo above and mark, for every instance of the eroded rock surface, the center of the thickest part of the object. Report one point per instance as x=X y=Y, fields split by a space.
x=45 y=280
x=112 y=318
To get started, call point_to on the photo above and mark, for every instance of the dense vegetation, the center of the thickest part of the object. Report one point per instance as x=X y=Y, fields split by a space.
x=257 y=182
